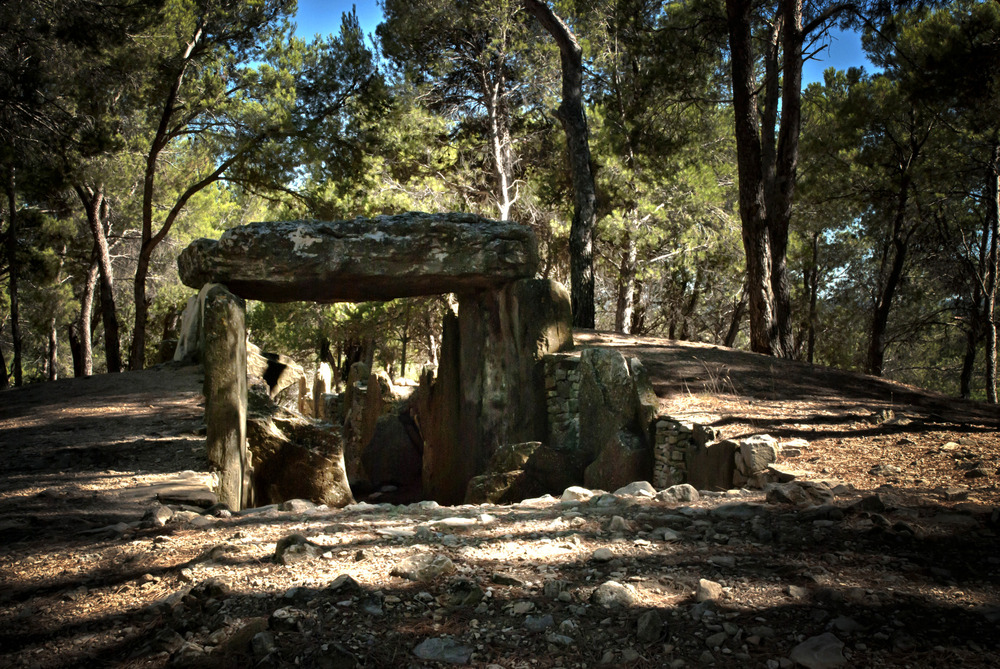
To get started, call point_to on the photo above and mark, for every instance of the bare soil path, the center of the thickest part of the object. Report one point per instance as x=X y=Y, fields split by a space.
x=902 y=568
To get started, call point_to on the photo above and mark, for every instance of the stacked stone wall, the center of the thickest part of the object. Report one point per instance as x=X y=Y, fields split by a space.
x=562 y=390
x=670 y=450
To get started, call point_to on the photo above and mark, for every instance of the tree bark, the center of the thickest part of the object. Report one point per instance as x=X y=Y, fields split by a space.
x=734 y=324
x=85 y=365
x=97 y=214
x=4 y=375
x=756 y=241
x=813 y=286
x=573 y=117
x=883 y=304
x=993 y=214
x=626 y=287
x=779 y=208
x=12 y=275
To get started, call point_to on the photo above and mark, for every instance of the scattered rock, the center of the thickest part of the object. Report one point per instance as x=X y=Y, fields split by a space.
x=649 y=627
x=576 y=494
x=603 y=555
x=683 y=492
x=636 y=489
x=708 y=591
x=536 y=624
x=423 y=567
x=443 y=649
x=820 y=652
x=800 y=493
x=296 y=548
x=612 y=594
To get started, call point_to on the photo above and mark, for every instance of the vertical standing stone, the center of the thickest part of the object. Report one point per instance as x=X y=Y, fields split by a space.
x=321 y=386
x=442 y=446
x=224 y=352
x=304 y=402
x=490 y=389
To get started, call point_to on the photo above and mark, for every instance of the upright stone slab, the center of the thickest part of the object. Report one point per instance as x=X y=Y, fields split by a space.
x=445 y=476
x=322 y=382
x=498 y=346
x=224 y=353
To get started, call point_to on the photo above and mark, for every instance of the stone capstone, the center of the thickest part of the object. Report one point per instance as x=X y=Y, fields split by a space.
x=363 y=259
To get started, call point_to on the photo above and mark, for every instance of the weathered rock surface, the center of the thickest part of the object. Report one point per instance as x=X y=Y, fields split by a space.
x=490 y=389
x=225 y=355
x=505 y=480
x=364 y=259
x=293 y=457
x=616 y=407
x=276 y=370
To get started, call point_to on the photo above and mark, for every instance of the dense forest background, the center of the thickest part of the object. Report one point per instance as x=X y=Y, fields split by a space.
x=850 y=223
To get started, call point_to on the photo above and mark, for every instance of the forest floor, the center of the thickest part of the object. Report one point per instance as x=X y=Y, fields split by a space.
x=900 y=569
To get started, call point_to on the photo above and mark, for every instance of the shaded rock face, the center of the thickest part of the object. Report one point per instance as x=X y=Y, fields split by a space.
x=292 y=457
x=224 y=351
x=490 y=389
x=364 y=259
x=505 y=480
x=394 y=453
x=617 y=406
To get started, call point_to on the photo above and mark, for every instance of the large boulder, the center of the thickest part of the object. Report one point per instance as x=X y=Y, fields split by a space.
x=364 y=259
x=293 y=457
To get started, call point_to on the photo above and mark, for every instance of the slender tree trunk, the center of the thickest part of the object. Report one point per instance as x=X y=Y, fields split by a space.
x=883 y=305
x=574 y=121
x=499 y=126
x=813 y=286
x=734 y=324
x=626 y=287
x=12 y=275
x=994 y=267
x=96 y=206
x=86 y=339
x=137 y=355
x=4 y=375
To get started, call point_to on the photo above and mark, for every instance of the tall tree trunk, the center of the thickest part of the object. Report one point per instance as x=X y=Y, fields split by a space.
x=779 y=206
x=753 y=212
x=52 y=357
x=97 y=213
x=500 y=142
x=12 y=274
x=574 y=121
x=993 y=213
x=137 y=354
x=626 y=287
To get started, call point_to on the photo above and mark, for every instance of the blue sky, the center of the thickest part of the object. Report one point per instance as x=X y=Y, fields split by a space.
x=323 y=17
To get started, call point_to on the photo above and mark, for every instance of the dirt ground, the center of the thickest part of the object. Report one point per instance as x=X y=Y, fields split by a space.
x=901 y=569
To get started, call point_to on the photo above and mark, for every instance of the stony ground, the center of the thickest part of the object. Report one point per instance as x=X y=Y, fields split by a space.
x=893 y=563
